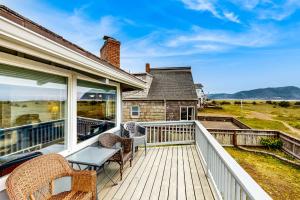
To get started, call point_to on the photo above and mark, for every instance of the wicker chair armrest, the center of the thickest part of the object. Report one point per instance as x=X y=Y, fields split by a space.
x=84 y=181
x=127 y=144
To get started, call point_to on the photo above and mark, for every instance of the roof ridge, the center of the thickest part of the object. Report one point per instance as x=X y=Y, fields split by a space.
x=171 y=68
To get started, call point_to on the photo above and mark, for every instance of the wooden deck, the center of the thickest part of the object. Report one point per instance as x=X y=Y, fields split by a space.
x=165 y=173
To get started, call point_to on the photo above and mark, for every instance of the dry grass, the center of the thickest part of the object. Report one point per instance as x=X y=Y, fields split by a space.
x=262 y=115
x=280 y=180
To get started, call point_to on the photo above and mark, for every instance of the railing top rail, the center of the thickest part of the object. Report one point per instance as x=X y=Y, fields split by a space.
x=162 y=123
x=30 y=125
x=242 y=177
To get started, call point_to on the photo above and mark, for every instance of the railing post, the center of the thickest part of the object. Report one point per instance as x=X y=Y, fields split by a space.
x=234 y=139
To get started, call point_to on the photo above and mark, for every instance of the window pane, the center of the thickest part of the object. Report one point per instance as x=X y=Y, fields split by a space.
x=183 y=113
x=96 y=109
x=33 y=111
x=191 y=113
x=135 y=111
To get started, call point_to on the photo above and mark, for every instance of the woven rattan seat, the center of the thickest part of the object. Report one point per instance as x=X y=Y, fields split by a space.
x=110 y=140
x=34 y=180
x=72 y=195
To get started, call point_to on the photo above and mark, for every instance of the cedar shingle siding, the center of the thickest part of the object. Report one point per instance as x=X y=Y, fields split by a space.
x=168 y=90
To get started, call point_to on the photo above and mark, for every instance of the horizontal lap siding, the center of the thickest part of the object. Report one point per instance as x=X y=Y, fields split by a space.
x=149 y=111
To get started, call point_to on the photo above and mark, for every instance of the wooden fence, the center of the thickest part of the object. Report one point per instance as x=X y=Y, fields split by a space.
x=252 y=137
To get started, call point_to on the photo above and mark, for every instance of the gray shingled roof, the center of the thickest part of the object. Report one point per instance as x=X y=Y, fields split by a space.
x=172 y=83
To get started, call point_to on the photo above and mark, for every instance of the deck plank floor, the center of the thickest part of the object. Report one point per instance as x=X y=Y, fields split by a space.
x=173 y=172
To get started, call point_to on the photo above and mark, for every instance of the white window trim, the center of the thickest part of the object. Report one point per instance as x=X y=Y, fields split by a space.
x=139 y=111
x=187 y=107
x=71 y=133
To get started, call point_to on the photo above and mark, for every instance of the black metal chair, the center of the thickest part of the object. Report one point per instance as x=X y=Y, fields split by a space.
x=137 y=132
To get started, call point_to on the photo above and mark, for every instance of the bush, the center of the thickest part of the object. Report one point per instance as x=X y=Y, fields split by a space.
x=225 y=103
x=284 y=104
x=271 y=143
x=254 y=103
x=237 y=103
x=297 y=103
x=268 y=102
x=214 y=102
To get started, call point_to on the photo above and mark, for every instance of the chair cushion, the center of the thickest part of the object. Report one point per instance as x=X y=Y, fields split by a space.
x=72 y=195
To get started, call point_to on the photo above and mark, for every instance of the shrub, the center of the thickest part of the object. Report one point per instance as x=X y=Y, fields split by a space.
x=217 y=107
x=284 y=104
x=271 y=143
x=254 y=103
x=237 y=103
x=214 y=102
x=225 y=103
x=268 y=102
x=297 y=103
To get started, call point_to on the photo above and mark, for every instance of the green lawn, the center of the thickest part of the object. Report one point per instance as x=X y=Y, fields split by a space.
x=280 y=180
x=261 y=115
x=264 y=124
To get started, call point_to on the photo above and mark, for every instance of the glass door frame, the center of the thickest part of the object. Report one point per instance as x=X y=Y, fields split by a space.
x=70 y=139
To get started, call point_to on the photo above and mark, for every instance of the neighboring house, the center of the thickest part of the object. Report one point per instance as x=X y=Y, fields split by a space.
x=169 y=95
x=53 y=93
x=201 y=96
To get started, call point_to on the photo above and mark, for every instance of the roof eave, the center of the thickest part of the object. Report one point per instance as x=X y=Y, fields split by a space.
x=19 y=38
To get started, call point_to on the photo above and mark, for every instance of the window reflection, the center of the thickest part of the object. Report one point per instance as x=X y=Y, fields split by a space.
x=32 y=113
x=96 y=109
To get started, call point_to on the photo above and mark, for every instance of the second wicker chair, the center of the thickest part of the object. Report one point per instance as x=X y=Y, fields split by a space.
x=110 y=140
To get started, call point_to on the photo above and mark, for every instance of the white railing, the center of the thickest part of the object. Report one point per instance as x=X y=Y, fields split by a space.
x=164 y=133
x=229 y=179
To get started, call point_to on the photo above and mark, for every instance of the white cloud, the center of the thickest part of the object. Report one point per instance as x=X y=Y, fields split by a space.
x=212 y=7
x=174 y=43
x=73 y=26
x=232 y=17
x=269 y=9
x=256 y=36
x=202 y=5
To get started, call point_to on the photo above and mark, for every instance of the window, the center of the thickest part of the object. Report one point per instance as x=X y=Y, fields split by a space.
x=96 y=109
x=187 y=113
x=135 y=111
x=33 y=111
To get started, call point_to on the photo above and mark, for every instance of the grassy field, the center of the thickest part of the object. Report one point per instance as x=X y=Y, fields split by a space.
x=260 y=115
x=280 y=180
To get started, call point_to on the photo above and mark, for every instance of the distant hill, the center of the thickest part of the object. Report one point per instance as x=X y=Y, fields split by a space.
x=277 y=93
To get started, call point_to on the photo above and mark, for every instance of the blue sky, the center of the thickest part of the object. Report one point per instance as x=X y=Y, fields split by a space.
x=231 y=45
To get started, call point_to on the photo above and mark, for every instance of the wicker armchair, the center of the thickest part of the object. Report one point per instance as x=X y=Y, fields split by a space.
x=34 y=180
x=110 y=140
x=137 y=133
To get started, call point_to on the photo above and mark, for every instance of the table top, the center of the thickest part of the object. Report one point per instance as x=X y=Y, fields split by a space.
x=92 y=156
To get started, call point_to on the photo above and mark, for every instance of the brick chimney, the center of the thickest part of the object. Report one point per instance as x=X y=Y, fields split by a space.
x=110 y=51
x=148 y=68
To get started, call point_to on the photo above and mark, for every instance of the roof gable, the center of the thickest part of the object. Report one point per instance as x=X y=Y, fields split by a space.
x=172 y=83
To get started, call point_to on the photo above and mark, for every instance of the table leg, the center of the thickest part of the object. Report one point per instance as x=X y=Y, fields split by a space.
x=108 y=175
